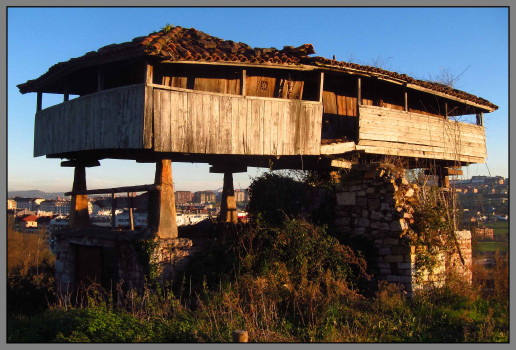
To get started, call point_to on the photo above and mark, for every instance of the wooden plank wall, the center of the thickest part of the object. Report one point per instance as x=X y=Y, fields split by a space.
x=109 y=119
x=387 y=131
x=201 y=122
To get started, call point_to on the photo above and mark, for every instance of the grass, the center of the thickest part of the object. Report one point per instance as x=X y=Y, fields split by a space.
x=501 y=230
x=488 y=247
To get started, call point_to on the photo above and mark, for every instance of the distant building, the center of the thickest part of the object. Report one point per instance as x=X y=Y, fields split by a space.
x=11 y=204
x=482 y=233
x=28 y=222
x=26 y=203
x=204 y=197
x=122 y=219
x=241 y=196
x=57 y=207
x=183 y=197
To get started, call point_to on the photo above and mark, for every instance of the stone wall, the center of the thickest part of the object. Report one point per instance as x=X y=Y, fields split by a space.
x=122 y=258
x=377 y=203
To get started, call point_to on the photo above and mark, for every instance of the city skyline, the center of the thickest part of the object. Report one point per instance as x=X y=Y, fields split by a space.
x=449 y=46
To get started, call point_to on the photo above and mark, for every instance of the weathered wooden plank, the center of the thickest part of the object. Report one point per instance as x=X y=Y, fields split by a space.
x=165 y=121
x=338 y=148
x=216 y=143
x=225 y=124
x=235 y=122
x=158 y=130
x=267 y=125
x=249 y=127
x=274 y=126
x=148 y=118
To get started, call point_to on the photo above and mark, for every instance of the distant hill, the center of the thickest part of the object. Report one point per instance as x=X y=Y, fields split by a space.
x=35 y=194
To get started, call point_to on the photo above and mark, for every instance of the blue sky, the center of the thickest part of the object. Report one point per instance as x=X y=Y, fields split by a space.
x=420 y=42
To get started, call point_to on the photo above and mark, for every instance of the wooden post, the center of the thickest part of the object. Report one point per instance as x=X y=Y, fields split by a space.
x=100 y=79
x=321 y=87
x=66 y=97
x=39 y=101
x=162 y=204
x=244 y=85
x=149 y=74
x=359 y=95
x=131 y=214
x=79 y=216
x=405 y=97
x=228 y=211
x=240 y=336
x=480 y=118
x=446 y=110
x=113 y=209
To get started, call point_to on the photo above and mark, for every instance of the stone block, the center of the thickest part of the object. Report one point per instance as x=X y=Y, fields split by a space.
x=376 y=215
x=401 y=250
x=342 y=221
x=384 y=251
x=363 y=222
x=391 y=241
x=346 y=198
x=406 y=279
x=393 y=278
x=384 y=266
x=370 y=190
x=361 y=201
x=393 y=258
x=385 y=271
x=361 y=193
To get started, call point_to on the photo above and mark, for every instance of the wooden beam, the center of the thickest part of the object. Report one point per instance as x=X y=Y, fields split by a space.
x=341 y=163
x=113 y=209
x=162 y=203
x=100 y=79
x=149 y=74
x=338 y=148
x=224 y=168
x=66 y=97
x=131 y=215
x=480 y=118
x=446 y=110
x=359 y=91
x=405 y=97
x=79 y=216
x=39 y=101
x=76 y=162
x=228 y=211
x=444 y=171
x=139 y=188
x=244 y=85
x=321 y=87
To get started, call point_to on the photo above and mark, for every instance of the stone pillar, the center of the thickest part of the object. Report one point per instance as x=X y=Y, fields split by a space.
x=79 y=216
x=162 y=203
x=228 y=211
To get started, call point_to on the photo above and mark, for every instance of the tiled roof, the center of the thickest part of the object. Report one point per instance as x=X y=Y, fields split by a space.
x=188 y=44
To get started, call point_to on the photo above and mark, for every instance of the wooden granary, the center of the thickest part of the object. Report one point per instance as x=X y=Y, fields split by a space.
x=183 y=95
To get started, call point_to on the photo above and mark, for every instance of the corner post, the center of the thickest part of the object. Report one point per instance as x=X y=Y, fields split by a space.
x=79 y=216
x=162 y=203
x=228 y=211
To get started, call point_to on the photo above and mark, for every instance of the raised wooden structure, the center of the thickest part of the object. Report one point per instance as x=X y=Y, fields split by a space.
x=183 y=95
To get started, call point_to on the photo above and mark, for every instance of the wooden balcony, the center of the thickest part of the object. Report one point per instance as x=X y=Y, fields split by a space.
x=164 y=119
x=393 y=132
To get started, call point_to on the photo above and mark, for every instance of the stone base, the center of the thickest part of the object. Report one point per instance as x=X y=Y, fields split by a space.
x=111 y=257
x=378 y=204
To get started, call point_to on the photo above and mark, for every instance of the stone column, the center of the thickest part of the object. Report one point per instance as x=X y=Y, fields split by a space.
x=228 y=211
x=162 y=203
x=79 y=216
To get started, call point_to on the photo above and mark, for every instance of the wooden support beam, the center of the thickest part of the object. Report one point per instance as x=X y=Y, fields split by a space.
x=444 y=171
x=66 y=97
x=100 y=79
x=138 y=188
x=39 y=101
x=79 y=216
x=405 y=97
x=131 y=214
x=224 y=168
x=341 y=163
x=321 y=87
x=162 y=204
x=480 y=118
x=113 y=209
x=76 y=162
x=228 y=211
x=446 y=110
x=243 y=83
x=149 y=74
x=359 y=91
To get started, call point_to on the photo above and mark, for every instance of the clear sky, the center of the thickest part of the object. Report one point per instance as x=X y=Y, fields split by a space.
x=420 y=42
